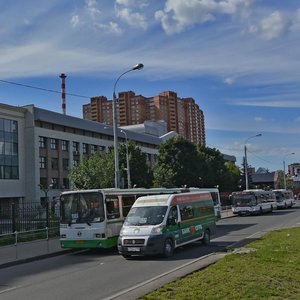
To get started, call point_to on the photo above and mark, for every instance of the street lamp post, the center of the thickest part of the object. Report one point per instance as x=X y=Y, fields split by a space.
x=46 y=190
x=115 y=124
x=127 y=160
x=246 y=163
x=284 y=179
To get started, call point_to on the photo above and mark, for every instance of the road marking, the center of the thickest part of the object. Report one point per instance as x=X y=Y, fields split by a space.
x=8 y=290
x=252 y=235
x=157 y=277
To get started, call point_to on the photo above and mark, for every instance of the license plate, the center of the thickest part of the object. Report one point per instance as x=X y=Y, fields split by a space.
x=79 y=242
x=134 y=249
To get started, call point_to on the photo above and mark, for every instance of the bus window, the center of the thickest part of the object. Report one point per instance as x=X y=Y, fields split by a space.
x=127 y=202
x=112 y=208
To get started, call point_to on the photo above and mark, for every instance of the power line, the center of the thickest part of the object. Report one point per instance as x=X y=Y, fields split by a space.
x=259 y=157
x=252 y=153
x=42 y=89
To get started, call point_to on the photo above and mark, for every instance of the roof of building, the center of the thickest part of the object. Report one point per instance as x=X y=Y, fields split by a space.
x=65 y=120
x=263 y=177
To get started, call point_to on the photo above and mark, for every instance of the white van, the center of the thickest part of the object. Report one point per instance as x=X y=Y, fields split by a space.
x=159 y=224
x=284 y=198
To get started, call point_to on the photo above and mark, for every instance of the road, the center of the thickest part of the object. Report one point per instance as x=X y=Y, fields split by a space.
x=99 y=274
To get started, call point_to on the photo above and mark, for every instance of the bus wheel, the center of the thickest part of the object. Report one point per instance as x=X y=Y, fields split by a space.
x=206 y=238
x=168 y=248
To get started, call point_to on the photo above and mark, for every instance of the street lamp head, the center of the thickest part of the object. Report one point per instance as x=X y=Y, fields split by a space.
x=137 y=67
x=259 y=134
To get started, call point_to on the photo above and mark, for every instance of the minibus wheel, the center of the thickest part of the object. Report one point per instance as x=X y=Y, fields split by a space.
x=168 y=248
x=206 y=238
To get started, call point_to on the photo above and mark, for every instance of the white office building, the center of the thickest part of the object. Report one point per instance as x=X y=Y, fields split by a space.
x=39 y=147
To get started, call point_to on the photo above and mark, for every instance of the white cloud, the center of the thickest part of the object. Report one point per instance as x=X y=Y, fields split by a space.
x=111 y=27
x=74 y=20
x=179 y=15
x=92 y=8
x=133 y=19
x=133 y=3
x=296 y=21
x=286 y=104
x=229 y=80
x=126 y=2
x=272 y=27
x=259 y=119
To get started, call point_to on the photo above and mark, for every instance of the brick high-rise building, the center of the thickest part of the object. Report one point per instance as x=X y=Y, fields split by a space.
x=181 y=115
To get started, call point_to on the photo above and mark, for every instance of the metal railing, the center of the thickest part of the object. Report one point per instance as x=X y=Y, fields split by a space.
x=20 y=238
x=18 y=218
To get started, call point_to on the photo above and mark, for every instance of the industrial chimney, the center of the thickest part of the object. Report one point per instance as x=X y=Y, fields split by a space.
x=63 y=92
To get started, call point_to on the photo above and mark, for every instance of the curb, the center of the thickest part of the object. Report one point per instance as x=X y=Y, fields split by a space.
x=35 y=258
x=152 y=284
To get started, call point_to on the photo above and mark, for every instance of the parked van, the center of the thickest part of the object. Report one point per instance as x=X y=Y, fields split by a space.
x=158 y=224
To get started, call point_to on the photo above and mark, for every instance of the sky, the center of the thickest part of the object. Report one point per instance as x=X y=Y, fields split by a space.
x=238 y=59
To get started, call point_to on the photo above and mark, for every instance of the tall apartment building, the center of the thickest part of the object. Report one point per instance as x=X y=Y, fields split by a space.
x=181 y=115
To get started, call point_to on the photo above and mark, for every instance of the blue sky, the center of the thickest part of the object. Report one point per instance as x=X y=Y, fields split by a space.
x=239 y=60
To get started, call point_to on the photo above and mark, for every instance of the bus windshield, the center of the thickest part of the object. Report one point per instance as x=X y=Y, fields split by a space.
x=82 y=208
x=150 y=215
x=243 y=200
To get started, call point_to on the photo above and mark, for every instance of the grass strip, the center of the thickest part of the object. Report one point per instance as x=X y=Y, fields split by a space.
x=268 y=268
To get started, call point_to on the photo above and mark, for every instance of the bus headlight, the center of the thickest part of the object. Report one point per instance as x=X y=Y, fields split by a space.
x=156 y=230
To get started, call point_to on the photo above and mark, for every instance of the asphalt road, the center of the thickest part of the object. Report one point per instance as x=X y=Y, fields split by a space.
x=103 y=274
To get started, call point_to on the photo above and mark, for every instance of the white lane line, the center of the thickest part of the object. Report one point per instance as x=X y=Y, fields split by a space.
x=8 y=290
x=157 y=277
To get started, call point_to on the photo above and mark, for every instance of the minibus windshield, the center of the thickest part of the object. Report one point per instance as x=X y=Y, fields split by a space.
x=146 y=215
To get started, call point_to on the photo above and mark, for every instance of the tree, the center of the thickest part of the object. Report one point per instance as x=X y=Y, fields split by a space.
x=235 y=175
x=98 y=171
x=94 y=172
x=178 y=164
x=217 y=171
x=140 y=173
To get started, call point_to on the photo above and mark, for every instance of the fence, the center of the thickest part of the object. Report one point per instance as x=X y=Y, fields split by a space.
x=19 y=217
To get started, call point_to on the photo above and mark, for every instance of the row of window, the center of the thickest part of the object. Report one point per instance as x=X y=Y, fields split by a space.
x=55 y=183
x=54 y=145
x=54 y=163
x=9 y=154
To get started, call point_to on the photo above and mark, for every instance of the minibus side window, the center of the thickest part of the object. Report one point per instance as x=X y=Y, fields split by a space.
x=186 y=211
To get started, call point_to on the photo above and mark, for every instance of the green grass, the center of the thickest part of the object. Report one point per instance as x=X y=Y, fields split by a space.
x=270 y=271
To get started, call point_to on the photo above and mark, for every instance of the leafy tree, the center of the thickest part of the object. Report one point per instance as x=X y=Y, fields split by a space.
x=235 y=175
x=218 y=172
x=140 y=173
x=99 y=171
x=94 y=172
x=178 y=164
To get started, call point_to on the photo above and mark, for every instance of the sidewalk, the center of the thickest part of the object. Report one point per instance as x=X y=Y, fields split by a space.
x=29 y=251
